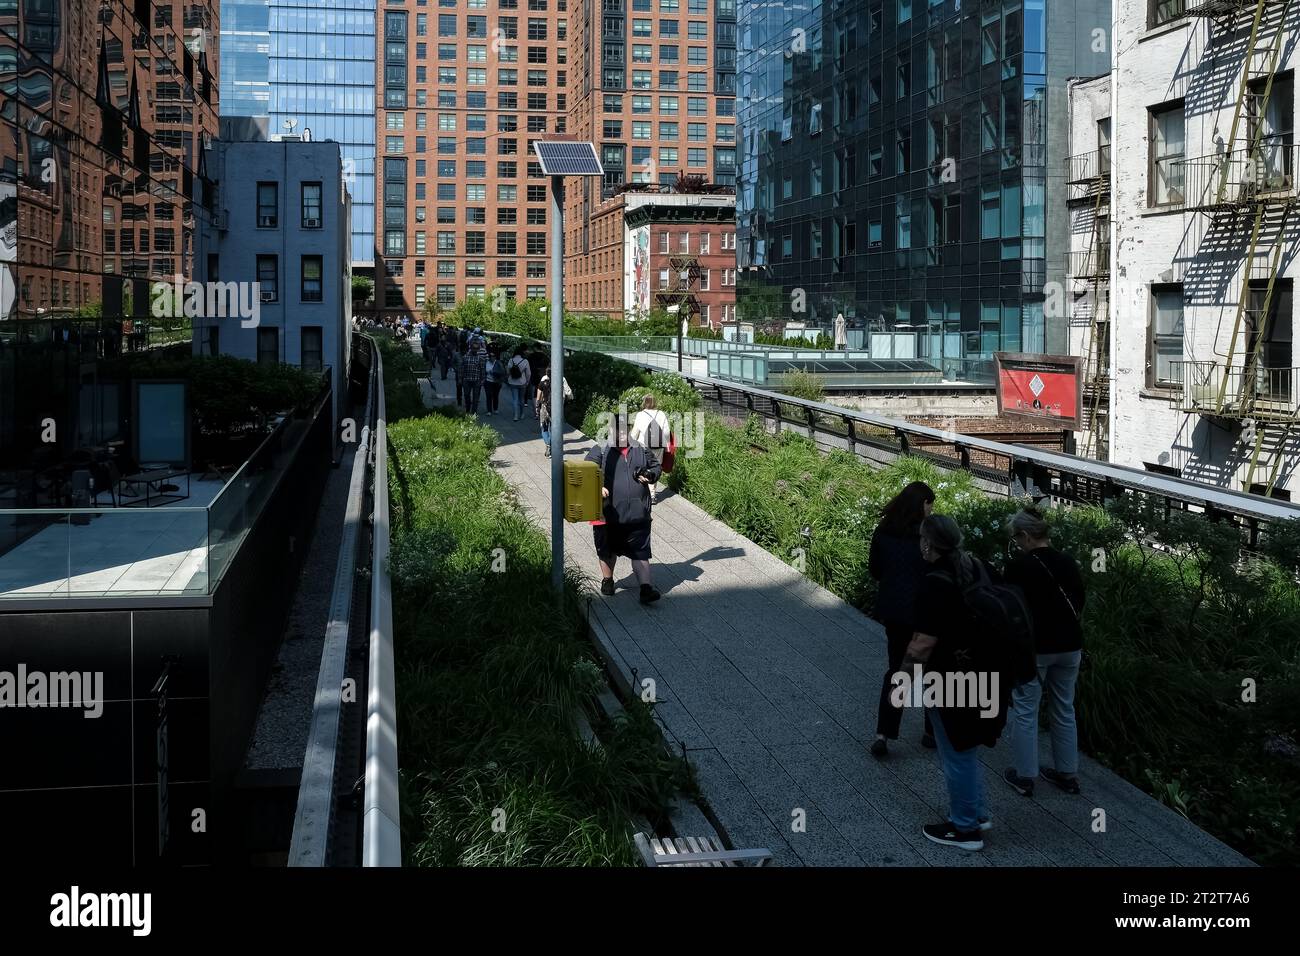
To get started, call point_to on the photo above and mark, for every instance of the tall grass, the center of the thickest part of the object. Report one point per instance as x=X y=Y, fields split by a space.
x=490 y=675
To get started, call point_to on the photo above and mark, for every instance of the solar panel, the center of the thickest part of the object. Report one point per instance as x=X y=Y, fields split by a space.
x=567 y=158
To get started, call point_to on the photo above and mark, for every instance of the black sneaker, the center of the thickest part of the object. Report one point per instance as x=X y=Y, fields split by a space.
x=949 y=835
x=879 y=749
x=985 y=824
x=1068 y=784
x=1021 y=785
x=607 y=587
x=927 y=741
x=649 y=593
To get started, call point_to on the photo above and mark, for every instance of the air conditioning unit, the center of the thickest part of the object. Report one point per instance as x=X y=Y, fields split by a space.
x=311 y=223
x=266 y=222
x=268 y=296
x=221 y=220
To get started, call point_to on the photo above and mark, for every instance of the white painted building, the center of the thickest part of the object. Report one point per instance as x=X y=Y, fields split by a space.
x=284 y=221
x=1201 y=238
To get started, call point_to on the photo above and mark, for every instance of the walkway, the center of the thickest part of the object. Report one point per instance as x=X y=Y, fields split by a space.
x=770 y=682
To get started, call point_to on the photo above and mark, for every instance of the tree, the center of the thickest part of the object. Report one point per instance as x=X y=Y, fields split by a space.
x=363 y=288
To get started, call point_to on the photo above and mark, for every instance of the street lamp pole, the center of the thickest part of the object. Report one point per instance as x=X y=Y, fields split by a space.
x=557 y=385
x=557 y=159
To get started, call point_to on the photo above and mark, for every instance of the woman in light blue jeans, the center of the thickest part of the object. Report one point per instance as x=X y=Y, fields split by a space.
x=1057 y=673
x=1053 y=588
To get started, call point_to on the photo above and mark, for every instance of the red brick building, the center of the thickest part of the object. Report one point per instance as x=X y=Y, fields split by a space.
x=652 y=249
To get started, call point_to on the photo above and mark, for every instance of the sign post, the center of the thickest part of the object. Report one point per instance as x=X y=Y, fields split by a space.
x=558 y=159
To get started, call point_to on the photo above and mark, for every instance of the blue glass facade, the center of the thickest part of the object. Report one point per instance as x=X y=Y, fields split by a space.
x=245 y=57
x=901 y=162
x=312 y=63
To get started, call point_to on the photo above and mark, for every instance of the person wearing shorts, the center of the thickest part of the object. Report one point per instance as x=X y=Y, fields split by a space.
x=628 y=470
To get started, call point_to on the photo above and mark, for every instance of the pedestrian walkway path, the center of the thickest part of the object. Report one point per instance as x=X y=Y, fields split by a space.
x=770 y=683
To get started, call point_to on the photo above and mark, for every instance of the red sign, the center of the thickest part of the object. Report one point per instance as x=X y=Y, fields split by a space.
x=1045 y=388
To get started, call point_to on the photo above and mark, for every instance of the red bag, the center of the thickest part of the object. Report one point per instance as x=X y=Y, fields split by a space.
x=670 y=454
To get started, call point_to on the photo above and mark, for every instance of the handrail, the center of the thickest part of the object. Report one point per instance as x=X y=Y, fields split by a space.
x=381 y=833
x=309 y=844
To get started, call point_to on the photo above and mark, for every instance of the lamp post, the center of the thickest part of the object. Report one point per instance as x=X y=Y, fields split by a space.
x=558 y=159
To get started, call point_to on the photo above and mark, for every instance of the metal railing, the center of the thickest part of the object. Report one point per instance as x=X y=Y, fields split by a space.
x=1090 y=168
x=1013 y=469
x=381 y=843
x=1090 y=263
x=1238 y=178
x=1239 y=391
x=324 y=767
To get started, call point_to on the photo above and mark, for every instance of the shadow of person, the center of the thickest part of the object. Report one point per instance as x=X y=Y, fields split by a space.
x=668 y=575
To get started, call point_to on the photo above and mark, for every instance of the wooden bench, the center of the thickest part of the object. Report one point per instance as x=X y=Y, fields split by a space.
x=695 y=851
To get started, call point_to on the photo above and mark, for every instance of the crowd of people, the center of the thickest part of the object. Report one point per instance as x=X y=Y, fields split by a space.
x=952 y=622
x=951 y=618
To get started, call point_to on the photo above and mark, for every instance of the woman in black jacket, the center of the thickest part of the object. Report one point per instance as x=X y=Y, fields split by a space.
x=898 y=568
x=628 y=471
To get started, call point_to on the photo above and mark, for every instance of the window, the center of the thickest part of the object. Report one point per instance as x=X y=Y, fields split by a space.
x=1166 y=11
x=1168 y=150
x=267 y=278
x=446 y=243
x=268 y=346
x=312 y=349
x=1166 y=344
x=312 y=284
x=536 y=243
x=311 y=205
x=268 y=205
x=506 y=244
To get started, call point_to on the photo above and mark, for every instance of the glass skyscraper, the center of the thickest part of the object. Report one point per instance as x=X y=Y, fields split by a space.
x=310 y=63
x=902 y=161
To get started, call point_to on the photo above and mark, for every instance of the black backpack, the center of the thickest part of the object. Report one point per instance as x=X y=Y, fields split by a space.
x=1004 y=625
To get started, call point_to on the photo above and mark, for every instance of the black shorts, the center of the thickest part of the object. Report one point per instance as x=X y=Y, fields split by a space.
x=622 y=540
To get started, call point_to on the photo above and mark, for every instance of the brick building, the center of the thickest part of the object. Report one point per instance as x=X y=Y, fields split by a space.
x=466 y=89
x=654 y=89
x=651 y=249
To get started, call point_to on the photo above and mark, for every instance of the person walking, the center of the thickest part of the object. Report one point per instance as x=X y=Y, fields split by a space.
x=494 y=378
x=651 y=429
x=543 y=400
x=443 y=353
x=457 y=365
x=518 y=376
x=952 y=648
x=1053 y=588
x=539 y=361
x=628 y=469
x=896 y=564
x=474 y=371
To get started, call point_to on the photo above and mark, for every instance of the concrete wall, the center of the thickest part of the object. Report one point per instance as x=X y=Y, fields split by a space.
x=1167 y=244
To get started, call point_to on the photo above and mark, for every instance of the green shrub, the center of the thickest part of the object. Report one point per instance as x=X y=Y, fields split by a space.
x=489 y=677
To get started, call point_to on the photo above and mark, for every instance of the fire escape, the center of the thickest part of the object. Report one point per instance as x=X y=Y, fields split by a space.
x=1088 y=180
x=1248 y=190
x=683 y=284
